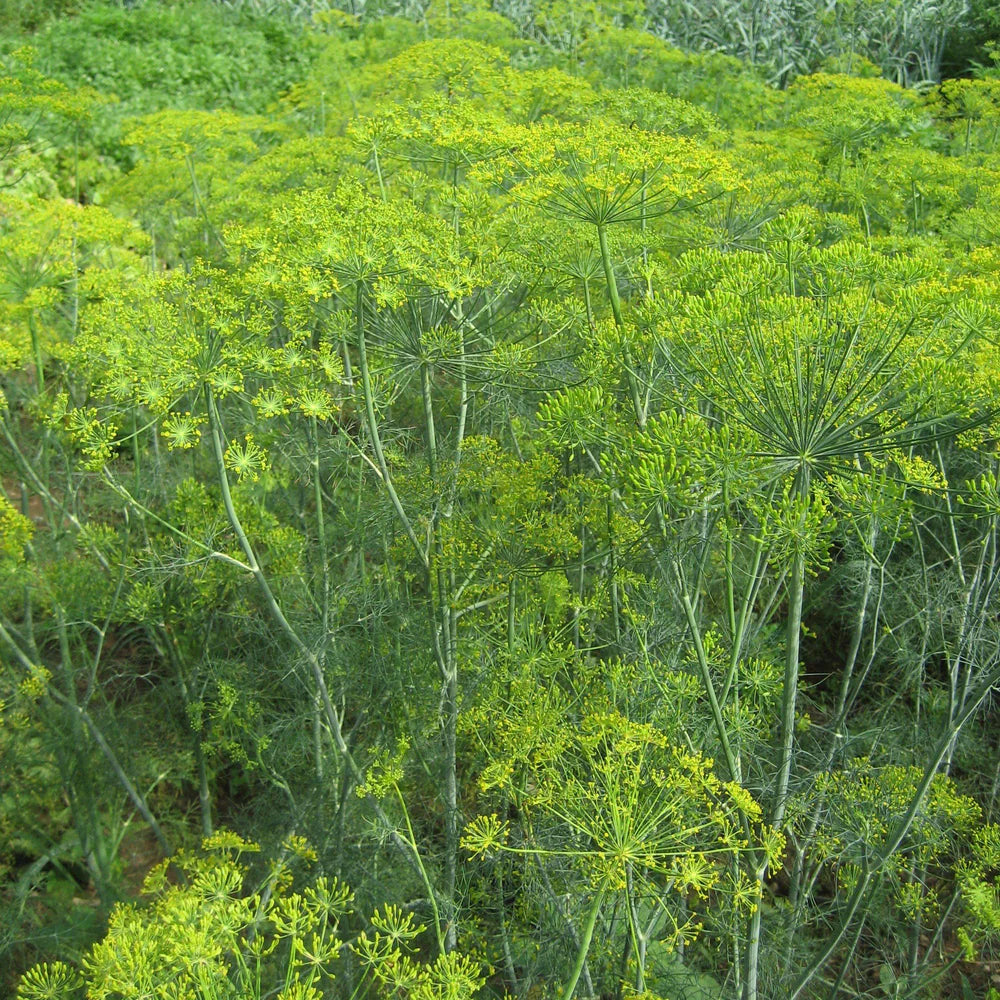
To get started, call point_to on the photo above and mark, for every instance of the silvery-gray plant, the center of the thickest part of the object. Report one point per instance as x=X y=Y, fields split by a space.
x=906 y=39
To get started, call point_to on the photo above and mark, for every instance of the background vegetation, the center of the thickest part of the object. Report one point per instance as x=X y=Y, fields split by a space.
x=536 y=484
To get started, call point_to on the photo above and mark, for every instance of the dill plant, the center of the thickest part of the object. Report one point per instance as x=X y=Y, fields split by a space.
x=469 y=452
x=221 y=934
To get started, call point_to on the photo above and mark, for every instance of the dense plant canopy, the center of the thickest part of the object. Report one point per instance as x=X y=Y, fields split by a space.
x=536 y=484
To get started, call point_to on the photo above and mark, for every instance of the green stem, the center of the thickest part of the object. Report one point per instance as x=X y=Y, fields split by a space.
x=333 y=720
x=752 y=956
x=376 y=440
x=423 y=872
x=425 y=392
x=584 y=949
x=80 y=714
x=706 y=679
x=136 y=453
x=730 y=582
x=378 y=171
x=171 y=652
x=613 y=571
x=199 y=204
x=511 y=596
x=793 y=638
x=616 y=309
x=444 y=638
x=325 y=603
x=898 y=834
x=36 y=353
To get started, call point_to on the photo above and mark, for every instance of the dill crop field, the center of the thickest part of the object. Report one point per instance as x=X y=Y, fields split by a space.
x=499 y=502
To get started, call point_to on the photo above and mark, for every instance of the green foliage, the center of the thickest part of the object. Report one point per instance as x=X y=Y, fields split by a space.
x=182 y=55
x=218 y=933
x=974 y=45
x=554 y=471
x=29 y=15
x=36 y=112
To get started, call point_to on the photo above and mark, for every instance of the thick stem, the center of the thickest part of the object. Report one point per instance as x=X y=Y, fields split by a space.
x=616 y=309
x=451 y=824
x=635 y=932
x=423 y=872
x=584 y=949
x=846 y=964
x=425 y=393
x=325 y=599
x=137 y=799
x=444 y=638
x=558 y=903
x=793 y=638
x=752 y=956
x=793 y=635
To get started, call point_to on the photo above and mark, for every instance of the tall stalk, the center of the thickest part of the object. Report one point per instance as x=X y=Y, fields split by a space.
x=793 y=637
x=443 y=613
x=616 y=310
x=324 y=560
x=584 y=948
x=444 y=627
x=409 y=851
